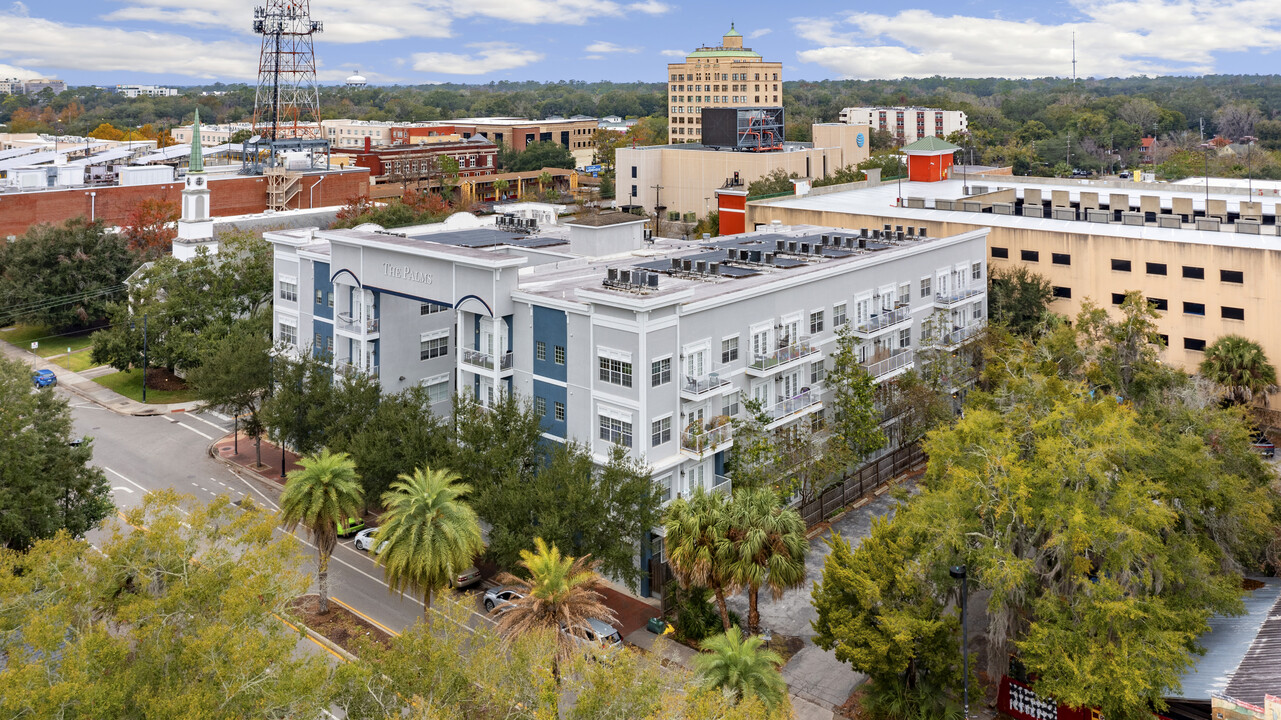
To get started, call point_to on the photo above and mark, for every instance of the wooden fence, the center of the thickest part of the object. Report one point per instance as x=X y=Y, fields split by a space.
x=859 y=482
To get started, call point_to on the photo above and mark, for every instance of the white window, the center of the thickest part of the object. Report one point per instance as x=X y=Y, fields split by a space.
x=976 y=271
x=838 y=315
x=615 y=431
x=697 y=477
x=817 y=372
x=289 y=288
x=437 y=388
x=695 y=363
x=540 y=405
x=428 y=308
x=761 y=343
x=729 y=350
x=862 y=310
x=615 y=372
x=660 y=431
x=559 y=408
x=729 y=404
x=560 y=354
x=660 y=372
x=816 y=322
x=289 y=331
x=905 y=337
x=540 y=350
x=433 y=345
x=925 y=287
x=905 y=294
x=664 y=487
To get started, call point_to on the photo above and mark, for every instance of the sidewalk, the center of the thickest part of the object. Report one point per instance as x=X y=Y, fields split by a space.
x=225 y=448
x=81 y=384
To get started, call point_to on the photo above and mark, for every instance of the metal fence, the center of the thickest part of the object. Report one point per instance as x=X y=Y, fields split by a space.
x=856 y=484
x=859 y=482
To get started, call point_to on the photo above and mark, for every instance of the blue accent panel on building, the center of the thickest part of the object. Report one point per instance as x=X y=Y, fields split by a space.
x=377 y=351
x=322 y=334
x=475 y=340
x=321 y=282
x=551 y=394
x=552 y=328
x=378 y=304
x=508 y=320
x=719 y=462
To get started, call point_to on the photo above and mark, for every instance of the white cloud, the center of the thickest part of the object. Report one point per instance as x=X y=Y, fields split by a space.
x=673 y=53
x=602 y=46
x=759 y=33
x=650 y=7
x=488 y=58
x=19 y=9
x=57 y=46
x=1113 y=38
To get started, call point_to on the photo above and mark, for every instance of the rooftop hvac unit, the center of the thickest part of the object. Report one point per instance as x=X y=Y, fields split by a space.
x=898 y=235
x=613 y=274
x=920 y=232
x=638 y=277
x=686 y=265
x=754 y=256
x=887 y=227
x=862 y=243
x=676 y=263
x=700 y=266
x=791 y=246
x=714 y=268
x=769 y=258
x=824 y=239
x=731 y=254
x=862 y=233
x=849 y=242
x=625 y=277
x=911 y=232
x=779 y=245
x=805 y=248
x=898 y=228
x=652 y=280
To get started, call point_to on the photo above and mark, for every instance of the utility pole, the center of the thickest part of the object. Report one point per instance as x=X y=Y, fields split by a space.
x=1074 y=59
x=658 y=208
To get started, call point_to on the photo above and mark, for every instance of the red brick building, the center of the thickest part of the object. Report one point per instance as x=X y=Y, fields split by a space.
x=229 y=195
x=477 y=157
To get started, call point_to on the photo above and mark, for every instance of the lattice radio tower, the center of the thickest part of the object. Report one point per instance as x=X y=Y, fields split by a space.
x=287 y=102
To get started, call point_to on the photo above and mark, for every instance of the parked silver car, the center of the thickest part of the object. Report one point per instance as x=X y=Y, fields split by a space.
x=470 y=576
x=595 y=637
x=499 y=599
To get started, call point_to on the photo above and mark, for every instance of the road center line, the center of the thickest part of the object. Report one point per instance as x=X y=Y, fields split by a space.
x=144 y=490
x=203 y=435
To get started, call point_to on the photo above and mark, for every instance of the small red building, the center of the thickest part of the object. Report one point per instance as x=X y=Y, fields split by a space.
x=929 y=159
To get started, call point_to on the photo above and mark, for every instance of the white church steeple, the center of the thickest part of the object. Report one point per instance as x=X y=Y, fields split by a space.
x=195 y=228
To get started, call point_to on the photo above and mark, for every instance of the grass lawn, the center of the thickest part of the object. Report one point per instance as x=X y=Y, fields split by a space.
x=78 y=361
x=129 y=384
x=50 y=343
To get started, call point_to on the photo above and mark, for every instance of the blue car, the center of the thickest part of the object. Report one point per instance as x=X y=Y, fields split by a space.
x=44 y=378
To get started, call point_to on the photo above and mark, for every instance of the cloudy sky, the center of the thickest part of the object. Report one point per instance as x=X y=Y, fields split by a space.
x=106 y=42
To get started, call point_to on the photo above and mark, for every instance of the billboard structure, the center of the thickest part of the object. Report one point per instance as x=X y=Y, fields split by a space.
x=745 y=129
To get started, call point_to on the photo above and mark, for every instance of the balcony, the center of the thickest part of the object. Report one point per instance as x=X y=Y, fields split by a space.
x=696 y=388
x=882 y=322
x=348 y=370
x=722 y=484
x=702 y=441
x=781 y=358
x=884 y=365
x=345 y=322
x=957 y=337
x=479 y=359
x=960 y=296
x=793 y=407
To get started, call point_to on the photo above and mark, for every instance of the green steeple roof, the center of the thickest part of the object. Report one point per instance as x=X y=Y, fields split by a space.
x=930 y=144
x=732 y=32
x=197 y=163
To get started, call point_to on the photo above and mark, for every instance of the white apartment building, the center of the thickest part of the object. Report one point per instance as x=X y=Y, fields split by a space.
x=908 y=124
x=133 y=91
x=618 y=341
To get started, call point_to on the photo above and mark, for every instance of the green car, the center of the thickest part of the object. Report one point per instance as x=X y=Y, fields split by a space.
x=350 y=526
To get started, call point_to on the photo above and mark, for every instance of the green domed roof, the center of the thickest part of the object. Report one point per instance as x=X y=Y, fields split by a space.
x=732 y=32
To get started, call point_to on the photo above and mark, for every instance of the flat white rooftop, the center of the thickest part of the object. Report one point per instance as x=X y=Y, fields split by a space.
x=881 y=201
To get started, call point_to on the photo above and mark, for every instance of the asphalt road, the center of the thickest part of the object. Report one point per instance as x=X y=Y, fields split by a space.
x=145 y=454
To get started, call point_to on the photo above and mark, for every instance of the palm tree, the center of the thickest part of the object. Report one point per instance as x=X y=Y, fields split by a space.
x=698 y=545
x=1241 y=367
x=741 y=667
x=324 y=491
x=544 y=178
x=560 y=593
x=769 y=548
x=500 y=189
x=430 y=532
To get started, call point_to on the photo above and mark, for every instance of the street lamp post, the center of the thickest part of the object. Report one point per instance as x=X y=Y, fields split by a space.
x=1249 y=162
x=144 y=354
x=958 y=572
